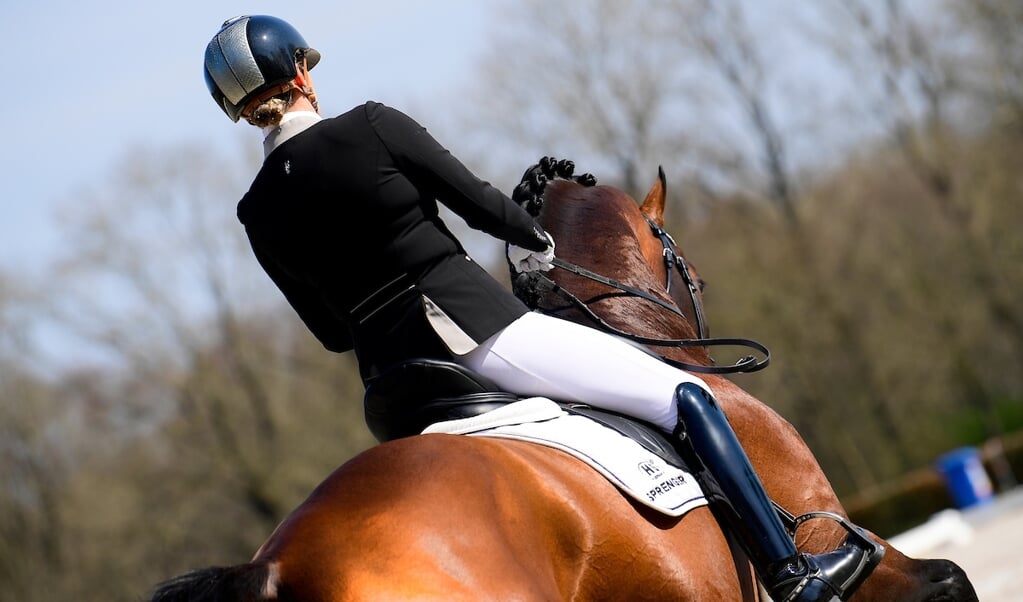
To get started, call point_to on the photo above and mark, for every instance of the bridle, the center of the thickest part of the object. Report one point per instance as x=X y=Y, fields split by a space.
x=674 y=263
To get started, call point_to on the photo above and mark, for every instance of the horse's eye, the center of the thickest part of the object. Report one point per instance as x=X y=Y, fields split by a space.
x=701 y=284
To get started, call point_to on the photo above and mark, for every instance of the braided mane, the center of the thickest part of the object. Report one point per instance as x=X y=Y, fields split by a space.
x=529 y=194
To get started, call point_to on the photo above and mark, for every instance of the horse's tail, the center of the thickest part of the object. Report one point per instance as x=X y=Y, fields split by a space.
x=255 y=582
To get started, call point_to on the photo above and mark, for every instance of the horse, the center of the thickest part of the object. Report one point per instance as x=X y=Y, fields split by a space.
x=454 y=517
x=634 y=249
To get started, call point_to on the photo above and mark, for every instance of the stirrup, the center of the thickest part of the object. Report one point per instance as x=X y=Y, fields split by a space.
x=859 y=536
x=815 y=584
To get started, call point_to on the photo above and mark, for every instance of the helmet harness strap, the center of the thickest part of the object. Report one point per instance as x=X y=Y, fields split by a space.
x=307 y=89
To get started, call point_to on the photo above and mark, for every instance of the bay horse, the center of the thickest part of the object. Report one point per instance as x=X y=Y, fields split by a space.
x=453 y=517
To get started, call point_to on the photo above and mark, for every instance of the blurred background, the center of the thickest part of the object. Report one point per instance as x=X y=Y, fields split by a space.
x=845 y=174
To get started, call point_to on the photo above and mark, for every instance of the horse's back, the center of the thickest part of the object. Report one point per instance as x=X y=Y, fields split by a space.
x=454 y=517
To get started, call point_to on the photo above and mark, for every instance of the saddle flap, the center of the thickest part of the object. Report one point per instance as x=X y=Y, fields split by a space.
x=648 y=436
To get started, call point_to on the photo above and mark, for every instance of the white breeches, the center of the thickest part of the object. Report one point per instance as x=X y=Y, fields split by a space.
x=549 y=357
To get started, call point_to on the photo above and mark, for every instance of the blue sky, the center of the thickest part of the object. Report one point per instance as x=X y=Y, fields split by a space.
x=88 y=81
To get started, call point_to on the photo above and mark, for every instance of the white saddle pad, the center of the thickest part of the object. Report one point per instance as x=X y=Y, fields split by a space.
x=642 y=475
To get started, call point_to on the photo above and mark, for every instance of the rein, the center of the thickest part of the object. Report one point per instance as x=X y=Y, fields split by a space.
x=673 y=261
x=747 y=363
x=529 y=195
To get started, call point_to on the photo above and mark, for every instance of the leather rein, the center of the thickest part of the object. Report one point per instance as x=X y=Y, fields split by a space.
x=674 y=262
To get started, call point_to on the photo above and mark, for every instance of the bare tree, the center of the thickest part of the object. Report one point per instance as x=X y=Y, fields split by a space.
x=995 y=74
x=593 y=81
x=720 y=33
x=31 y=463
x=920 y=67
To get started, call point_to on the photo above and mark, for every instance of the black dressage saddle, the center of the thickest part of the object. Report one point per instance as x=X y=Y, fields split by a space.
x=408 y=397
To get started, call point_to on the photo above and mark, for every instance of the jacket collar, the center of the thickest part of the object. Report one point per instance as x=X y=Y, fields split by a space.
x=294 y=123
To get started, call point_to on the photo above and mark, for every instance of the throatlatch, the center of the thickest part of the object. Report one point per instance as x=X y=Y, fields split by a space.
x=738 y=499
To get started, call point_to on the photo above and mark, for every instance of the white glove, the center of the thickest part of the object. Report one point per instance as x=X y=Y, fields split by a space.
x=524 y=260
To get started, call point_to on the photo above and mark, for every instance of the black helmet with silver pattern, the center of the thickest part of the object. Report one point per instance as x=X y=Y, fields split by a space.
x=249 y=55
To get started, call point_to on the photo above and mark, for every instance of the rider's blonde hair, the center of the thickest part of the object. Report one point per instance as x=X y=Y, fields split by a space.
x=270 y=111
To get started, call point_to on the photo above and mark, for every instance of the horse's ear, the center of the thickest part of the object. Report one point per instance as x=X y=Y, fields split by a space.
x=653 y=204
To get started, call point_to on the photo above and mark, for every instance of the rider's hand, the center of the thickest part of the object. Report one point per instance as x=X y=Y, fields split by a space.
x=524 y=260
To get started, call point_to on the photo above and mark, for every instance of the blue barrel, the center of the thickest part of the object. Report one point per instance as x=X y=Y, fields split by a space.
x=965 y=477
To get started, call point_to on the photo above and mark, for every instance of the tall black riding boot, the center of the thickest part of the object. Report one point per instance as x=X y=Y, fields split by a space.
x=737 y=498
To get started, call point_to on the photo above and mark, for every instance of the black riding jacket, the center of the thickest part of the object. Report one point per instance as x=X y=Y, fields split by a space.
x=343 y=217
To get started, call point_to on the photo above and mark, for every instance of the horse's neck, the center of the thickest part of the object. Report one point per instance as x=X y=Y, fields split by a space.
x=601 y=236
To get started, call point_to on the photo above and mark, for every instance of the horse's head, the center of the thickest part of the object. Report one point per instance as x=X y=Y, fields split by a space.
x=603 y=230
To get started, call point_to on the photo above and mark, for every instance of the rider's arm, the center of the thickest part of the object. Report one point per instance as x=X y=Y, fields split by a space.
x=424 y=161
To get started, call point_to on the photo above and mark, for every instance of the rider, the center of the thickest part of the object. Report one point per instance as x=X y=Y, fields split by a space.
x=343 y=218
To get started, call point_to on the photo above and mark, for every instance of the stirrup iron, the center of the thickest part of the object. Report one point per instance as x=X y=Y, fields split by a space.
x=793 y=522
x=870 y=551
x=856 y=532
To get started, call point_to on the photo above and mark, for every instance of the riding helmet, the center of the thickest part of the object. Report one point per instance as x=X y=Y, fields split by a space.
x=251 y=54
